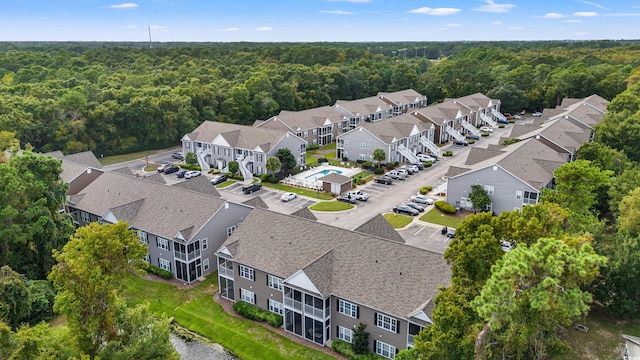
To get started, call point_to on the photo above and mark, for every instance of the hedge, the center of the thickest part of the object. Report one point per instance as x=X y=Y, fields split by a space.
x=344 y=348
x=486 y=133
x=448 y=153
x=190 y=167
x=445 y=207
x=427 y=164
x=157 y=271
x=253 y=312
x=313 y=147
x=471 y=142
x=425 y=189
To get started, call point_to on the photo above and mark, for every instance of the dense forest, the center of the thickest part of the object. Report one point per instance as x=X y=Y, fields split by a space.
x=118 y=98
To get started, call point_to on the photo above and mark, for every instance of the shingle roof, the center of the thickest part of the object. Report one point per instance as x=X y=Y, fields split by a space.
x=305 y=213
x=477 y=155
x=402 y=97
x=364 y=269
x=475 y=101
x=364 y=106
x=455 y=171
x=156 y=177
x=85 y=158
x=303 y=120
x=379 y=226
x=180 y=209
x=199 y=184
x=439 y=113
x=124 y=171
x=397 y=127
x=335 y=178
x=240 y=136
x=256 y=202
x=70 y=170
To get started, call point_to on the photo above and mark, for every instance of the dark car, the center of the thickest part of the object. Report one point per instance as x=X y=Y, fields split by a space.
x=384 y=180
x=251 y=188
x=171 y=169
x=473 y=137
x=503 y=121
x=164 y=166
x=347 y=199
x=460 y=142
x=403 y=209
x=180 y=174
x=414 y=206
x=218 y=179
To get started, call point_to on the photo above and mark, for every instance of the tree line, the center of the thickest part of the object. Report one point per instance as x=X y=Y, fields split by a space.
x=117 y=99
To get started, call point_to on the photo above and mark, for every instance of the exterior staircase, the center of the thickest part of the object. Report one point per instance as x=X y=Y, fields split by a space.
x=242 y=164
x=455 y=133
x=487 y=119
x=435 y=150
x=472 y=129
x=407 y=153
x=498 y=114
x=200 y=155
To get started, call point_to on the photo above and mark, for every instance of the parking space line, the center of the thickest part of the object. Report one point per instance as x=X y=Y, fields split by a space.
x=418 y=232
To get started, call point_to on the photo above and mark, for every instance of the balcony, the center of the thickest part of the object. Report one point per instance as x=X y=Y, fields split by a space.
x=295 y=304
x=228 y=272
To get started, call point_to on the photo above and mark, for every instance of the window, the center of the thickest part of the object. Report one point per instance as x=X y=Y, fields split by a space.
x=205 y=244
x=362 y=156
x=346 y=143
x=85 y=216
x=363 y=145
x=142 y=237
x=163 y=243
x=205 y=264
x=259 y=158
x=230 y=230
x=530 y=197
x=518 y=194
x=276 y=307
x=306 y=133
x=488 y=189
x=247 y=296
x=347 y=308
x=164 y=264
x=314 y=131
x=345 y=334
x=147 y=258
x=246 y=272
x=302 y=148
x=387 y=322
x=274 y=282
x=385 y=350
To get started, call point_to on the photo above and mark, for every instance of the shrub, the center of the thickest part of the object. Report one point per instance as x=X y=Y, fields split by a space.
x=448 y=153
x=425 y=189
x=190 y=167
x=471 y=142
x=265 y=177
x=427 y=164
x=378 y=171
x=157 y=271
x=511 y=121
x=392 y=165
x=367 y=165
x=501 y=126
x=323 y=160
x=445 y=207
x=510 y=141
x=273 y=179
x=486 y=133
x=253 y=312
x=313 y=147
x=344 y=158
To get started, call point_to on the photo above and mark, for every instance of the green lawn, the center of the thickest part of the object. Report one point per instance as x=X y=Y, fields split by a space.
x=204 y=316
x=398 y=221
x=434 y=216
x=331 y=206
x=225 y=184
x=306 y=192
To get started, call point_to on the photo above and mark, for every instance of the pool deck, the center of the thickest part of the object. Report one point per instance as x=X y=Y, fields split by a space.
x=346 y=171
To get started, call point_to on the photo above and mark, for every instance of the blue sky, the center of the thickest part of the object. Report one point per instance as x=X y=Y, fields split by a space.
x=318 y=20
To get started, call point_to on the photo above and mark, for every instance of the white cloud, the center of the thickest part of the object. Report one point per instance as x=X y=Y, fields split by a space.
x=497 y=22
x=574 y=21
x=264 y=28
x=435 y=11
x=336 y=12
x=586 y=13
x=231 y=29
x=553 y=16
x=450 y=25
x=495 y=8
x=124 y=6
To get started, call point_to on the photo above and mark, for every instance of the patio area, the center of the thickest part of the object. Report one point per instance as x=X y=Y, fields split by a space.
x=309 y=179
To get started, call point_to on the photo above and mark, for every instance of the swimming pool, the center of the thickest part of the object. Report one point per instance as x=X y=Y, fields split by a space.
x=322 y=173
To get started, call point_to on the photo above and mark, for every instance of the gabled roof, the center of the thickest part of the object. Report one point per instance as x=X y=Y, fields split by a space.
x=439 y=113
x=305 y=213
x=141 y=201
x=238 y=136
x=303 y=120
x=379 y=226
x=124 y=171
x=588 y=111
x=84 y=158
x=402 y=97
x=256 y=202
x=364 y=106
x=562 y=132
x=335 y=178
x=199 y=184
x=71 y=170
x=477 y=155
x=156 y=177
x=477 y=101
x=365 y=269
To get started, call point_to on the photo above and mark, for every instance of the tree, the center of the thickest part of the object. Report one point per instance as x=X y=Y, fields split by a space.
x=629 y=218
x=88 y=270
x=191 y=158
x=379 y=155
x=621 y=186
x=287 y=160
x=273 y=164
x=479 y=198
x=233 y=167
x=534 y=292
x=360 y=339
x=15 y=302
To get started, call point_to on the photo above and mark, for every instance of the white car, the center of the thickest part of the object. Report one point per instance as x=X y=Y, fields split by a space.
x=288 y=196
x=537 y=114
x=486 y=129
x=421 y=199
x=425 y=158
x=507 y=245
x=192 y=174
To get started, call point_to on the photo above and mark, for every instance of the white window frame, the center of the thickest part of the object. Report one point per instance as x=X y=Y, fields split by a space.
x=385 y=350
x=230 y=230
x=363 y=145
x=164 y=264
x=143 y=237
x=247 y=296
x=306 y=133
x=345 y=334
x=347 y=308
x=387 y=322
x=489 y=189
x=362 y=157
x=84 y=216
x=205 y=244
x=162 y=243
x=276 y=307
x=246 y=273
x=205 y=264
x=314 y=131
x=518 y=194
x=147 y=258
x=274 y=282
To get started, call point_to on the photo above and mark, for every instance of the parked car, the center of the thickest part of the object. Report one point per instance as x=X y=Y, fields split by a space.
x=486 y=129
x=537 y=114
x=164 y=166
x=171 y=169
x=507 y=245
x=248 y=189
x=425 y=158
x=517 y=117
x=346 y=199
x=404 y=209
x=394 y=174
x=414 y=206
x=472 y=137
x=191 y=174
x=177 y=155
x=419 y=165
x=451 y=233
x=411 y=169
x=358 y=195
x=384 y=180
x=219 y=179
x=502 y=121
x=421 y=199
x=403 y=171
x=460 y=142
x=523 y=112
x=288 y=196
x=180 y=174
